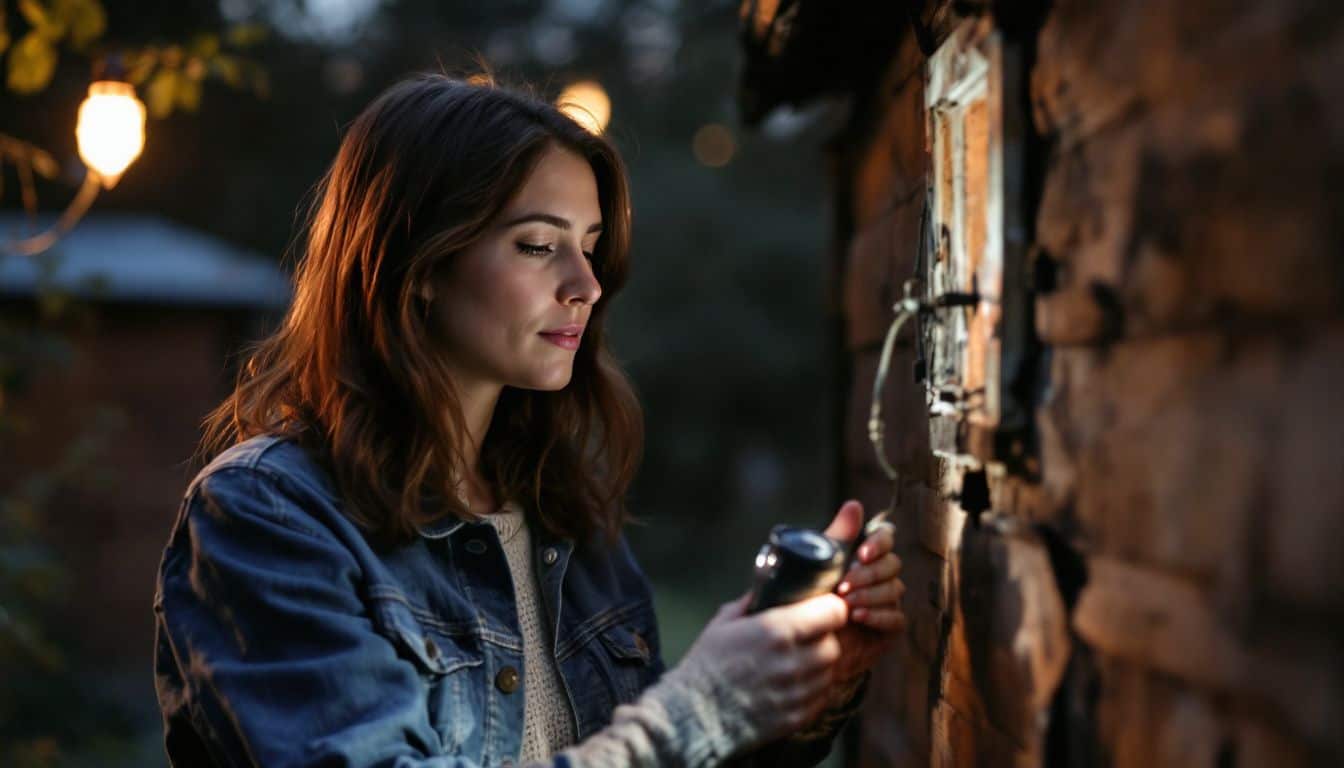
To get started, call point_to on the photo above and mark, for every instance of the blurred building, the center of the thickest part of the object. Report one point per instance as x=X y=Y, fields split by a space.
x=139 y=316
x=1115 y=423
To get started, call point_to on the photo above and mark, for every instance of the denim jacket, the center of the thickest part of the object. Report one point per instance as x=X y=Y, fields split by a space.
x=285 y=637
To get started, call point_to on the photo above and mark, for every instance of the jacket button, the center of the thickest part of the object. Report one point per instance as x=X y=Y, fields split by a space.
x=431 y=648
x=550 y=556
x=476 y=547
x=507 y=680
x=641 y=645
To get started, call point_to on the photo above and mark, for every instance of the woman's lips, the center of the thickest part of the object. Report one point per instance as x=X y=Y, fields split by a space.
x=561 y=340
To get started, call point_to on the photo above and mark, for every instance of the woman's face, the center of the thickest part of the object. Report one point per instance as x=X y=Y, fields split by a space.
x=529 y=274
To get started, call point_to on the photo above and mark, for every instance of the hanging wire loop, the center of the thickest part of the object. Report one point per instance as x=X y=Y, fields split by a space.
x=905 y=309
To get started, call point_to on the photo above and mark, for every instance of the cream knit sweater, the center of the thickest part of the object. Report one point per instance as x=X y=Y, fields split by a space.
x=548 y=720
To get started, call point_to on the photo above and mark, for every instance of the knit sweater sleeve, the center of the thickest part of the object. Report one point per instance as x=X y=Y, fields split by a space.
x=685 y=719
x=694 y=722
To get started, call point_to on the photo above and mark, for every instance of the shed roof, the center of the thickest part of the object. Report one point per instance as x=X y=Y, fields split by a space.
x=141 y=258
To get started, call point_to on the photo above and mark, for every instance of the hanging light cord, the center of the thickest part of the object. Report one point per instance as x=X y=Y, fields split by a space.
x=31 y=246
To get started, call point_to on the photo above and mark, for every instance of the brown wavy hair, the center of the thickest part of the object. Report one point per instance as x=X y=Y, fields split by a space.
x=352 y=372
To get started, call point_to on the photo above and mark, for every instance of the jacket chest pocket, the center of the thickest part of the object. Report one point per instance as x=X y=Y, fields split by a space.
x=448 y=667
x=625 y=652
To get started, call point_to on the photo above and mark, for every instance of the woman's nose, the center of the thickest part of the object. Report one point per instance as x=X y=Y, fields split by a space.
x=580 y=283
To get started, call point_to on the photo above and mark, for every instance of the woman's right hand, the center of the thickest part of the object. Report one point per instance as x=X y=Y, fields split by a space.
x=771 y=671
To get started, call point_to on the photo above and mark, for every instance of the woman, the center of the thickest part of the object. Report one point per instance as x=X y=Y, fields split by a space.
x=406 y=548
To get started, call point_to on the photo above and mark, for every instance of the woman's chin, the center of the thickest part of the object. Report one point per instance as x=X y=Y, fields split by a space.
x=552 y=382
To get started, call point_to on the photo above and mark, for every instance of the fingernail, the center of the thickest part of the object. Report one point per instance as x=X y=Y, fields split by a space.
x=860 y=613
x=843 y=588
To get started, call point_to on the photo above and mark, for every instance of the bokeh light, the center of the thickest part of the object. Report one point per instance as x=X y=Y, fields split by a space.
x=713 y=145
x=586 y=101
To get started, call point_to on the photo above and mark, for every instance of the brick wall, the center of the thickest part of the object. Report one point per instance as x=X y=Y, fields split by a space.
x=125 y=405
x=1156 y=581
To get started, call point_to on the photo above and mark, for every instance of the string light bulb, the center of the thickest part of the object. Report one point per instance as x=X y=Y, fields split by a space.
x=110 y=129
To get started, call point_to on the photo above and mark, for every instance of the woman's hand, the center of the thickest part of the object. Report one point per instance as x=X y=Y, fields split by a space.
x=772 y=672
x=872 y=589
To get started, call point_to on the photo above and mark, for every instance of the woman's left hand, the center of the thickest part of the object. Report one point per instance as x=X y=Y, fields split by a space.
x=873 y=589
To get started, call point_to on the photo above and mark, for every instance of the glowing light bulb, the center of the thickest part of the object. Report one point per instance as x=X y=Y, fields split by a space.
x=111 y=129
x=587 y=103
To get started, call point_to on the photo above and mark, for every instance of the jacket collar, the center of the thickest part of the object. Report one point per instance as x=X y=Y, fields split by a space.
x=447 y=524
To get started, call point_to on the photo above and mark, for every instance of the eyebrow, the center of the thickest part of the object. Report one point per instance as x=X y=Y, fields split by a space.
x=551 y=219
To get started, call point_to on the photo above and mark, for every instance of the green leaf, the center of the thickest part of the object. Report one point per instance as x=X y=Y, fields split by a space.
x=141 y=65
x=31 y=63
x=188 y=93
x=228 y=69
x=162 y=92
x=34 y=13
x=4 y=30
x=86 y=19
x=44 y=22
x=246 y=34
x=171 y=56
x=204 y=46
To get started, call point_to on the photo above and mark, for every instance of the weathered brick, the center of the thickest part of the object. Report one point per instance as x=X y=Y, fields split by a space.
x=1304 y=523
x=1263 y=743
x=1199 y=452
x=1086 y=210
x=1168 y=453
x=1132 y=714
x=1098 y=63
x=1193 y=170
x=904 y=415
x=1059 y=471
x=1150 y=626
x=881 y=259
x=1235 y=227
x=1071 y=317
x=161 y=371
x=1150 y=721
x=891 y=162
x=1190 y=427
x=1196 y=213
x=1011 y=637
x=890 y=722
x=927 y=602
x=960 y=739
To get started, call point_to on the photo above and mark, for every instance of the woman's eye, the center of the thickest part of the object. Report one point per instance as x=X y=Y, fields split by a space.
x=534 y=250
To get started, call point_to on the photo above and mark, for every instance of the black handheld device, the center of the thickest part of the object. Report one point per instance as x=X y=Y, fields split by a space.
x=797 y=563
